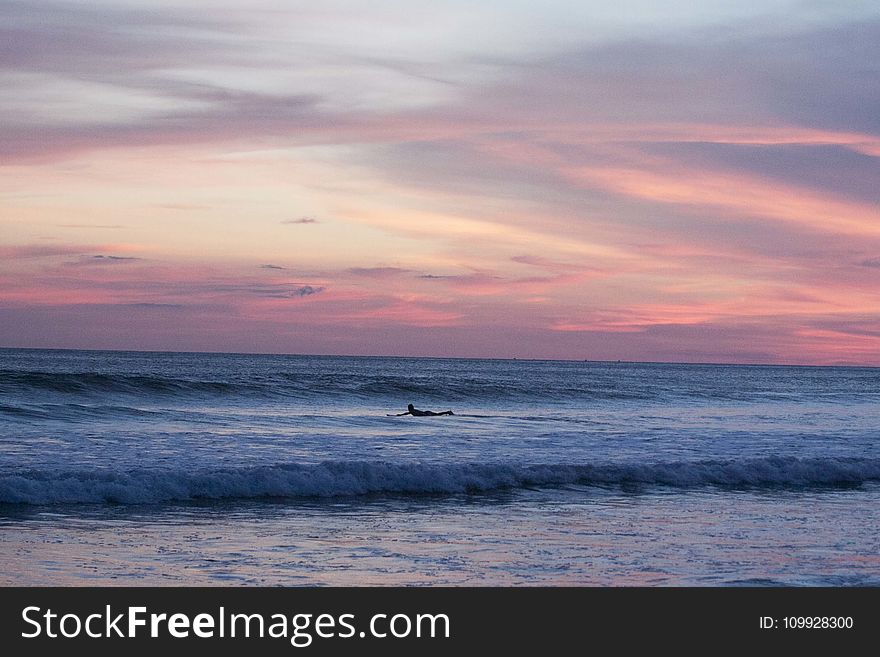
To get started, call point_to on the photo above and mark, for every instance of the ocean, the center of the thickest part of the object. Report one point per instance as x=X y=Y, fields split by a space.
x=136 y=468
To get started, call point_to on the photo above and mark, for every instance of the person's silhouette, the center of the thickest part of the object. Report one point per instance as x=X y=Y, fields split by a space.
x=412 y=410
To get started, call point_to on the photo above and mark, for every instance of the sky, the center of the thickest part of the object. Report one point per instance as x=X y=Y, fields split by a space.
x=688 y=181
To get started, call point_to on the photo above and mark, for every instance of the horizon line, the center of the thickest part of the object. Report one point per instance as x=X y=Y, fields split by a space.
x=492 y=358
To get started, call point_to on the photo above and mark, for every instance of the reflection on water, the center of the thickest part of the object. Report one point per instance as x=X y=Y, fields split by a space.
x=554 y=537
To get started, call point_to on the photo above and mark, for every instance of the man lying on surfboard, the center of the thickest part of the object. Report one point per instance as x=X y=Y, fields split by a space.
x=412 y=410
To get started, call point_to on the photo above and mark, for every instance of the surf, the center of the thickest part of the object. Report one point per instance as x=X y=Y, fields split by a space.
x=359 y=478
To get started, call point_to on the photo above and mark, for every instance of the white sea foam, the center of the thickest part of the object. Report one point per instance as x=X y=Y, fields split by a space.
x=354 y=478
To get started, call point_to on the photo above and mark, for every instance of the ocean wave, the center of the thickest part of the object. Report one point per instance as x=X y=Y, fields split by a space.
x=356 y=478
x=364 y=386
x=87 y=383
x=83 y=412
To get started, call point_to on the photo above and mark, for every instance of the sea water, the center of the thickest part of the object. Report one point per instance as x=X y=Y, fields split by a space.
x=167 y=468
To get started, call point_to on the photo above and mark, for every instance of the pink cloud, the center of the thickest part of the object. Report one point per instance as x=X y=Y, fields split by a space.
x=23 y=251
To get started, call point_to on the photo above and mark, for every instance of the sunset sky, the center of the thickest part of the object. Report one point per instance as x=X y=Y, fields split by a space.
x=638 y=180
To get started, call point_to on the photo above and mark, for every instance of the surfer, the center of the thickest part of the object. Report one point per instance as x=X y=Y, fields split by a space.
x=412 y=410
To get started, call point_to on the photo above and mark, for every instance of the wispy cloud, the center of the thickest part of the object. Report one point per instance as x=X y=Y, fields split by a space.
x=24 y=251
x=300 y=221
x=306 y=291
x=40 y=251
x=377 y=272
x=114 y=258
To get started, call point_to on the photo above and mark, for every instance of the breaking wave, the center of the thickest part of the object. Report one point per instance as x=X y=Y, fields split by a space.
x=356 y=478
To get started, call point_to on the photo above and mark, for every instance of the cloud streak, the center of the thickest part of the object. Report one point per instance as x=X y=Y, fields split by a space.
x=306 y=291
x=300 y=221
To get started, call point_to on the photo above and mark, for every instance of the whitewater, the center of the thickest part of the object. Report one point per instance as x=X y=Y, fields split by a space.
x=150 y=468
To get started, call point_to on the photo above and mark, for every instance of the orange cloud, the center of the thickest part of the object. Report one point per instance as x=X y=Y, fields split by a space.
x=737 y=195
